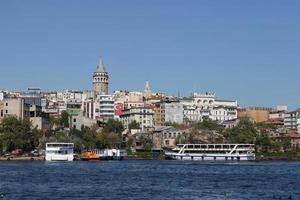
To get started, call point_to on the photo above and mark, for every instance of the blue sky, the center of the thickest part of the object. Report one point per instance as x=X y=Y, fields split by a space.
x=239 y=49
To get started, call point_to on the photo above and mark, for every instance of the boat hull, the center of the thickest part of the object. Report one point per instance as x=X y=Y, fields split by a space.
x=202 y=157
x=59 y=158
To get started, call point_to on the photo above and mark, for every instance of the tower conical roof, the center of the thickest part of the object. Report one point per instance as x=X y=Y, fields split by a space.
x=100 y=66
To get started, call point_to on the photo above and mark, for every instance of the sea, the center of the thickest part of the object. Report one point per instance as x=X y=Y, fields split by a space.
x=149 y=180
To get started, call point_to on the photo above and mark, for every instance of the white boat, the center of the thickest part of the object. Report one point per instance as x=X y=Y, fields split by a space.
x=59 y=152
x=212 y=152
x=112 y=154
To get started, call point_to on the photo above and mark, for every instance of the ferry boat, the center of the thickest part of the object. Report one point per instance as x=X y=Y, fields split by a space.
x=224 y=152
x=59 y=152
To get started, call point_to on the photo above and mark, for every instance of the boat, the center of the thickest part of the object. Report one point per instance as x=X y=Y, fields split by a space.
x=59 y=152
x=112 y=154
x=237 y=152
x=89 y=155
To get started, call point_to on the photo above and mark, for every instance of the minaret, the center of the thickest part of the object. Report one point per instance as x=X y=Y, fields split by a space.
x=147 y=91
x=100 y=80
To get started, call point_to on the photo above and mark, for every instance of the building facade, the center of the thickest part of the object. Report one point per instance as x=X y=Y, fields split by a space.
x=291 y=120
x=172 y=112
x=206 y=105
x=142 y=115
x=257 y=114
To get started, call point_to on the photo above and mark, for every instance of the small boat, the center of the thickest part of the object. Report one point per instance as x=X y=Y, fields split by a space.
x=89 y=155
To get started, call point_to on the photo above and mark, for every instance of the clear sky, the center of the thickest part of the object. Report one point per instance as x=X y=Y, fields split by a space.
x=248 y=50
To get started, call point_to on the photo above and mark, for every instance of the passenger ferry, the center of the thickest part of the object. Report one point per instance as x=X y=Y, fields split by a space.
x=59 y=152
x=212 y=152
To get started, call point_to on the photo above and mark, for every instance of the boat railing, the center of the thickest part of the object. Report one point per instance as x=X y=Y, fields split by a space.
x=231 y=148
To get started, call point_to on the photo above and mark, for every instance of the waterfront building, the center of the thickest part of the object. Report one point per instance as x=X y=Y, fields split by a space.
x=257 y=114
x=100 y=80
x=142 y=115
x=164 y=137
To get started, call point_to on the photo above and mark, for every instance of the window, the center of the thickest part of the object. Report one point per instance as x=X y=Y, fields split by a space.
x=6 y=111
x=6 y=104
x=74 y=120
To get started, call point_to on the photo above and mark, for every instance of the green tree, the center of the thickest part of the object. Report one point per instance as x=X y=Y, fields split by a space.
x=245 y=132
x=146 y=141
x=208 y=124
x=134 y=125
x=64 y=119
x=16 y=133
x=113 y=126
x=263 y=142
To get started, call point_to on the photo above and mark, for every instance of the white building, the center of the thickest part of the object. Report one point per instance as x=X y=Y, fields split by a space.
x=106 y=107
x=172 y=112
x=207 y=105
x=291 y=119
x=102 y=108
x=142 y=115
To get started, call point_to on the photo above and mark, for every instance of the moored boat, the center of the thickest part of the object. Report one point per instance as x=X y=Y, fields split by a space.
x=59 y=152
x=89 y=155
x=212 y=152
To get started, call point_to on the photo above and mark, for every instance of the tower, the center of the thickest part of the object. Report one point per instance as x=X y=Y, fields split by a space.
x=100 y=80
x=147 y=90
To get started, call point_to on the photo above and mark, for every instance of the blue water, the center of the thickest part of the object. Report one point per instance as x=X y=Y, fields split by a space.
x=149 y=180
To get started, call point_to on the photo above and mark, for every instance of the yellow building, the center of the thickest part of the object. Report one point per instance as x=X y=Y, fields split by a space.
x=258 y=114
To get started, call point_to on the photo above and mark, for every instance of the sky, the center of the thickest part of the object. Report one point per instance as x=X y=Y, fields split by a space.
x=244 y=50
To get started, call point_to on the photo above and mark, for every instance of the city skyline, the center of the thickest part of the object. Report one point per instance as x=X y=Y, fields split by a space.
x=237 y=50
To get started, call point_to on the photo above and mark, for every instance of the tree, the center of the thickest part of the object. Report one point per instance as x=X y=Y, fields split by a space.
x=245 y=132
x=16 y=133
x=146 y=141
x=113 y=126
x=134 y=125
x=208 y=124
x=263 y=142
x=64 y=119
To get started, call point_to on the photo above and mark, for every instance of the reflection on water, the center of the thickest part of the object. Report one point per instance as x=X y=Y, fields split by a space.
x=149 y=180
